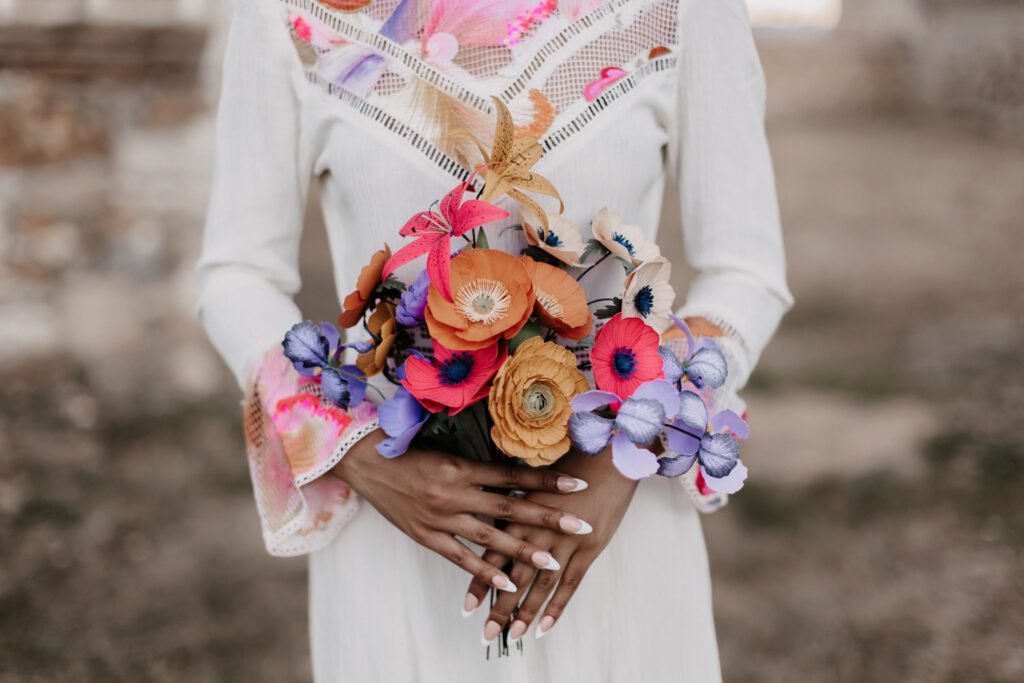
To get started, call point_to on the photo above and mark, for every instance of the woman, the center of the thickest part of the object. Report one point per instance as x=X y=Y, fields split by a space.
x=368 y=98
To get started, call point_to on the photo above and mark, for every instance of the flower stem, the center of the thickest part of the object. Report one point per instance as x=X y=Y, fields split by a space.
x=595 y=265
x=684 y=431
x=597 y=301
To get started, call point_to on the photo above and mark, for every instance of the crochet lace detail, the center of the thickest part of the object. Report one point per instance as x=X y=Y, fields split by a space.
x=423 y=69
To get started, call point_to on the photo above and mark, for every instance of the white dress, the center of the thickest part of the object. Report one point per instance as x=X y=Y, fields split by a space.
x=685 y=107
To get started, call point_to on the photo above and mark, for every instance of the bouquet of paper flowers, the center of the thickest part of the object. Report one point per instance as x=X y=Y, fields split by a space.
x=494 y=382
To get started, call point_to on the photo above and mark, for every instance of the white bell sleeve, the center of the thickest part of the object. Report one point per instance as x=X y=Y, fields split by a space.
x=248 y=274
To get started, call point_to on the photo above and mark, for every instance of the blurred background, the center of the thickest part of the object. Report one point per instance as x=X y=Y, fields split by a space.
x=881 y=536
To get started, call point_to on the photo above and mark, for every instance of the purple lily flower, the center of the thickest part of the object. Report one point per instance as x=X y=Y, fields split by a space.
x=711 y=442
x=704 y=365
x=410 y=311
x=315 y=351
x=638 y=422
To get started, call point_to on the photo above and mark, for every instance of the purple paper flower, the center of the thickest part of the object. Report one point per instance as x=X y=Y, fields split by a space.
x=413 y=303
x=401 y=417
x=638 y=422
x=315 y=351
x=704 y=365
x=711 y=442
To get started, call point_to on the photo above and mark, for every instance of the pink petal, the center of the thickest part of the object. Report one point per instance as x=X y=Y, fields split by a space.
x=474 y=213
x=408 y=253
x=418 y=224
x=439 y=265
x=450 y=203
x=633 y=462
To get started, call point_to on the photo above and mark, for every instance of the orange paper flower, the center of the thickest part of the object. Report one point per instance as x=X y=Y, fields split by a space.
x=493 y=299
x=369 y=277
x=530 y=402
x=561 y=302
x=384 y=329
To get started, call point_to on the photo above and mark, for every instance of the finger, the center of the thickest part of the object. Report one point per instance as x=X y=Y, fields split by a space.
x=457 y=553
x=525 y=512
x=571 y=579
x=505 y=604
x=543 y=584
x=483 y=534
x=509 y=476
x=478 y=588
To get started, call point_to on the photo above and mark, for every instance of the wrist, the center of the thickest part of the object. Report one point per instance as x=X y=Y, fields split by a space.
x=361 y=455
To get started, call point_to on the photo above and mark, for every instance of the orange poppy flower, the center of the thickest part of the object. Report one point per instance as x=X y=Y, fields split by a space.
x=369 y=277
x=493 y=299
x=561 y=302
x=382 y=326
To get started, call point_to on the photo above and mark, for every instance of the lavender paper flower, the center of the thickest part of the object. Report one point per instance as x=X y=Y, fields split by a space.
x=315 y=351
x=704 y=364
x=413 y=302
x=711 y=442
x=638 y=422
x=401 y=417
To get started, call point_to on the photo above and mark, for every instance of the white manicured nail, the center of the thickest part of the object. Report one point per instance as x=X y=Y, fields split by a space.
x=503 y=584
x=492 y=630
x=544 y=626
x=469 y=606
x=545 y=561
x=574 y=525
x=571 y=485
x=517 y=629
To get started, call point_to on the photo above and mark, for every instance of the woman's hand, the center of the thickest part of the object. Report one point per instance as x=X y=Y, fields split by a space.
x=433 y=497
x=604 y=504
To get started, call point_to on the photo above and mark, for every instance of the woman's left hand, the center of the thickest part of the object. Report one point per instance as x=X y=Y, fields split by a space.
x=603 y=504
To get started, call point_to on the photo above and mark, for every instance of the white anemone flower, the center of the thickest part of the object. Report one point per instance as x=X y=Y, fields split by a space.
x=649 y=294
x=562 y=239
x=628 y=242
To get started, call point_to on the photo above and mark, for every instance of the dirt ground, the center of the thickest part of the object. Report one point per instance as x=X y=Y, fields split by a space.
x=880 y=539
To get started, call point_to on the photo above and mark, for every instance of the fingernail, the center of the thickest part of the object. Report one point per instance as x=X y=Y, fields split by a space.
x=570 y=484
x=470 y=605
x=574 y=525
x=517 y=630
x=503 y=584
x=545 y=561
x=491 y=631
x=544 y=626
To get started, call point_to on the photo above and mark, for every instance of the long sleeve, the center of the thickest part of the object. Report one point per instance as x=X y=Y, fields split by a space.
x=721 y=160
x=248 y=274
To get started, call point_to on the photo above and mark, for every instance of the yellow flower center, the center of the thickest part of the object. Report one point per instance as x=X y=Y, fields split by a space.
x=483 y=301
x=538 y=401
x=551 y=304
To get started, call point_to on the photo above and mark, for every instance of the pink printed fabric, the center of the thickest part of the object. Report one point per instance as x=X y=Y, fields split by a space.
x=294 y=437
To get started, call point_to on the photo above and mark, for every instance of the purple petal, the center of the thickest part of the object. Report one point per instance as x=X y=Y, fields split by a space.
x=691 y=343
x=661 y=391
x=731 y=483
x=728 y=421
x=707 y=367
x=641 y=419
x=682 y=442
x=676 y=466
x=333 y=337
x=592 y=400
x=693 y=412
x=719 y=454
x=307 y=348
x=410 y=311
x=400 y=413
x=670 y=365
x=335 y=387
x=356 y=384
x=590 y=433
x=631 y=461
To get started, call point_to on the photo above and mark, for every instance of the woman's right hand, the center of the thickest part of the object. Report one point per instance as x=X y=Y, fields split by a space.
x=434 y=497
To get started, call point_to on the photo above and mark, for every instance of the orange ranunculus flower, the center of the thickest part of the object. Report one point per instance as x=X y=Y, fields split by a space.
x=382 y=326
x=369 y=277
x=493 y=299
x=561 y=302
x=531 y=401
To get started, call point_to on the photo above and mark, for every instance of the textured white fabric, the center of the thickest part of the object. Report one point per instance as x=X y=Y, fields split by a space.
x=384 y=609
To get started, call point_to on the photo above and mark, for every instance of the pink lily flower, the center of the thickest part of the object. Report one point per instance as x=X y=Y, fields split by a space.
x=434 y=231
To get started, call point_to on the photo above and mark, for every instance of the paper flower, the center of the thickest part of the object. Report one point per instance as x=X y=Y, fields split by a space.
x=382 y=328
x=700 y=362
x=413 y=302
x=649 y=294
x=355 y=303
x=508 y=167
x=561 y=302
x=627 y=242
x=638 y=422
x=530 y=402
x=625 y=355
x=401 y=417
x=562 y=239
x=493 y=299
x=454 y=379
x=315 y=351
x=712 y=443
x=434 y=230
x=609 y=76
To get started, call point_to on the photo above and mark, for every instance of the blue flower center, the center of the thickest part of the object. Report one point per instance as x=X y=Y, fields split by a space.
x=552 y=240
x=644 y=301
x=456 y=369
x=624 y=362
x=624 y=241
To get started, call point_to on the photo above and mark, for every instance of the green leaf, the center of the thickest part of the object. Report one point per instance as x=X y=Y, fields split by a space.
x=609 y=311
x=481 y=239
x=391 y=288
x=541 y=256
x=593 y=247
x=530 y=329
